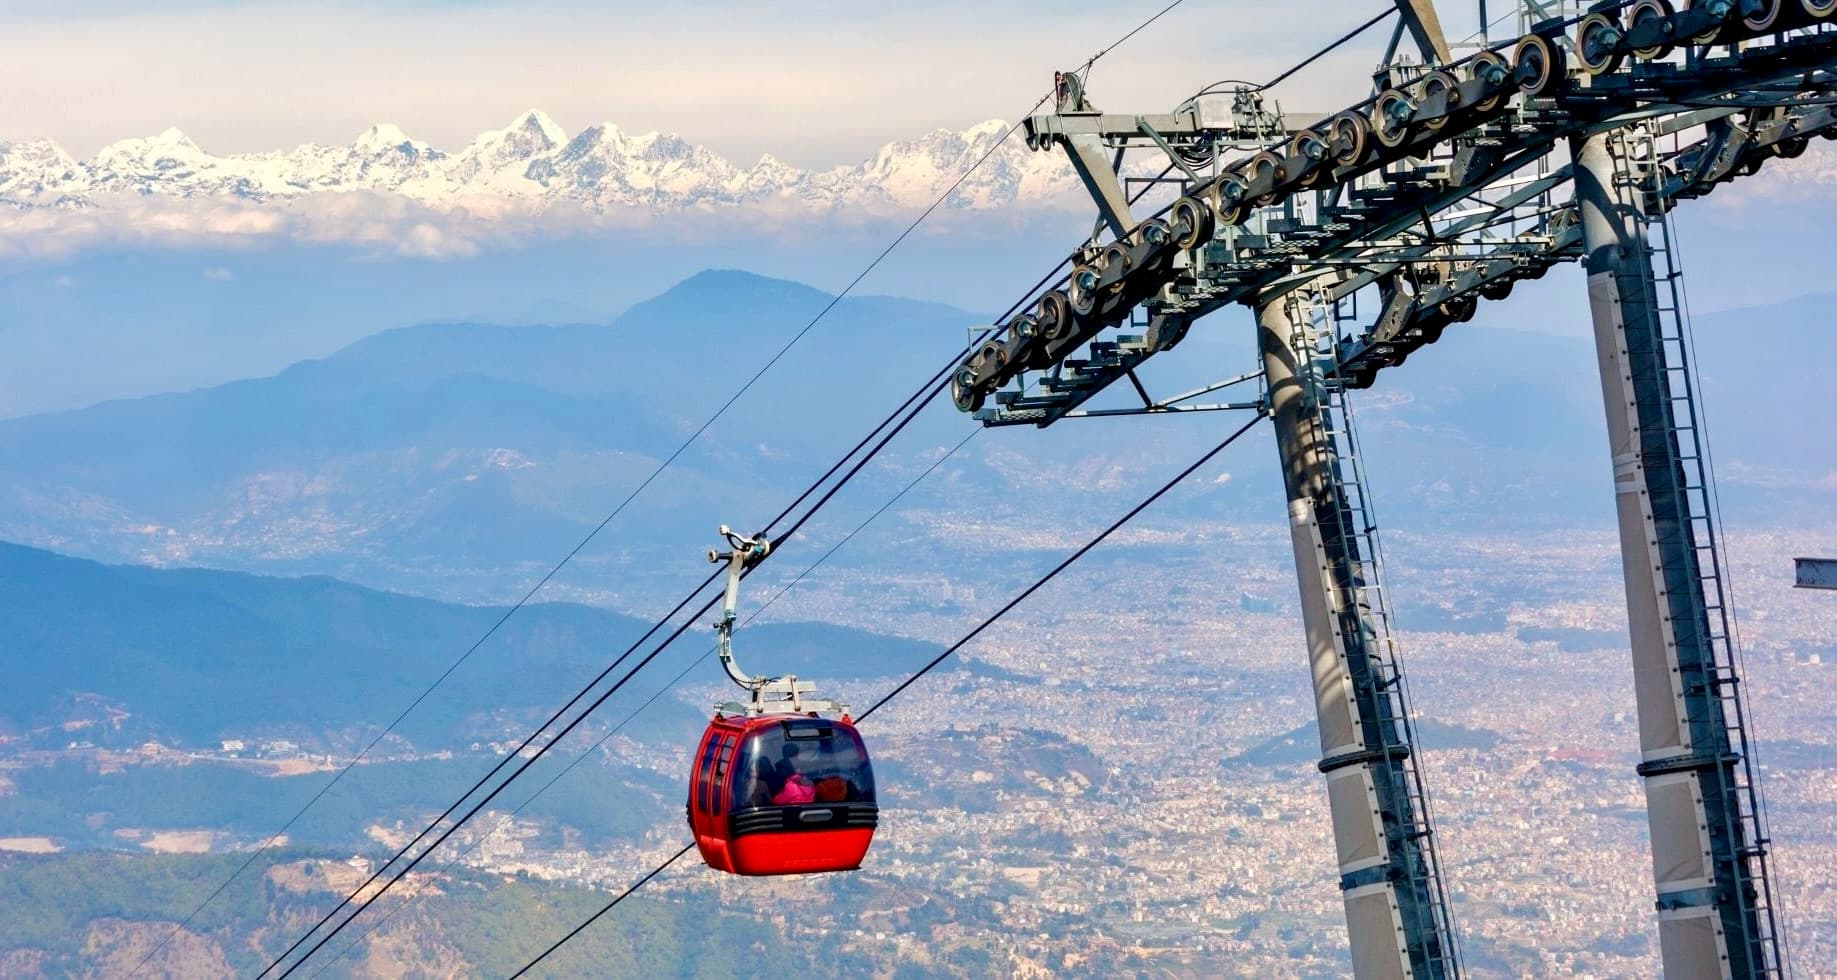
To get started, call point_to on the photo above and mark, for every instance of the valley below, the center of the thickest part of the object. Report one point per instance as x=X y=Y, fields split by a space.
x=214 y=600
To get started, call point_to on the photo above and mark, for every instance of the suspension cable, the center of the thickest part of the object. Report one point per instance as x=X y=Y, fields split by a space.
x=910 y=408
x=609 y=906
x=1323 y=52
x=615 y=729
x=594 y=533
x=543 y=749
x=1067 y=562
x=808 y=491
x=678 y=855
x=821 y=502
x=1062 y=566
x=907 y=411
x=827 y=496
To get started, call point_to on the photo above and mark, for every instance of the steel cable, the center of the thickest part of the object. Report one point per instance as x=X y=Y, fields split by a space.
x=590 y=536
x=1039 y=583
x=910 y=408
x=907 y=406
x=827 y=496
x=542 y=750
x=448 y=867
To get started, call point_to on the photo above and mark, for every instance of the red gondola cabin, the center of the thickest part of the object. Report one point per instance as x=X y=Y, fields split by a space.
x=782 y=794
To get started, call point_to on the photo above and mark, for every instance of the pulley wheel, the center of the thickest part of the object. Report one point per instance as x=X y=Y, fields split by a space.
x=993 y=360
x=1459 y=309
x=1537 y=64
x=1023 y=328
x=1020 y=343
x=1154 y=233
x=1084 y=289
x=1492 y=70
x=1644 y=12
x=1054 y=313
x=1266 y=167
x=1597 y=44
x=1709 y=36
x=1192 y=221
x=1440 y=84
x=963 y=390
x=1390 y=118
x=1232 y=207
x=1115 y=262
x=1312 y=147
x=1347 y=135
x=1765 y=16
x=1819 y=9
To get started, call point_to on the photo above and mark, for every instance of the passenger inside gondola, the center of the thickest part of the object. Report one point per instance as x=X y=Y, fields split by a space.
x=757 y=790
x=802 y=762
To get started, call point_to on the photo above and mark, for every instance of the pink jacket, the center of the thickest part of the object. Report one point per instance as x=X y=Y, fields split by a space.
x=798 y=789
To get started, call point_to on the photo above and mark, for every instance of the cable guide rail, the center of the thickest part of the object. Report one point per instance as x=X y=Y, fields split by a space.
x=1356 y=194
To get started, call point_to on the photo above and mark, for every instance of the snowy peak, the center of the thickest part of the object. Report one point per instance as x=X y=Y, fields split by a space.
x=384 y=138
x=537 y=125
x=527 y=169
x=500 y=160
x=170 y=148
x=528 y=135
x=37 y=168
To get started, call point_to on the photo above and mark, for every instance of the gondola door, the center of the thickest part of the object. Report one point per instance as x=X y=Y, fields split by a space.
x=709 y=792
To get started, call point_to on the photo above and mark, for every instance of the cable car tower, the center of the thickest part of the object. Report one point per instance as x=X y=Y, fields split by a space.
x=1470 y=167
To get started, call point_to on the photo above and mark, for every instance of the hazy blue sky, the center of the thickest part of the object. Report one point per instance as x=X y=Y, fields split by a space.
x=814 y=83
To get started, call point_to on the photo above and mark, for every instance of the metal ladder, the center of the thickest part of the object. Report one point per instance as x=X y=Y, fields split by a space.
x=1319 y=326
x=1636 y=151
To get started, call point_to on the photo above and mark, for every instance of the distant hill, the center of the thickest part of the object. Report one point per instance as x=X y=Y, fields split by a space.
x=431 y=458
x=475 y=443
x=197 y=655
x=99 y=914
x=1302 y=745
x=80 y=806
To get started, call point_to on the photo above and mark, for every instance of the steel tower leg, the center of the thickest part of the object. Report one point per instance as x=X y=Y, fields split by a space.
x=1396 y=916
x=1708 y=857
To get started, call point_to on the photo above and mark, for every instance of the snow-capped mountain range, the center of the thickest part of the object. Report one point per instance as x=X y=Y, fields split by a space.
x=391 y=192
x=529 y=171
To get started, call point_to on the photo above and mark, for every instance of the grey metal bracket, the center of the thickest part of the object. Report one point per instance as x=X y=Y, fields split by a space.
x=1090 y=159
x=1425 y=28
x=1815 y=573
x=1173 y=156
x=1182 y=402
